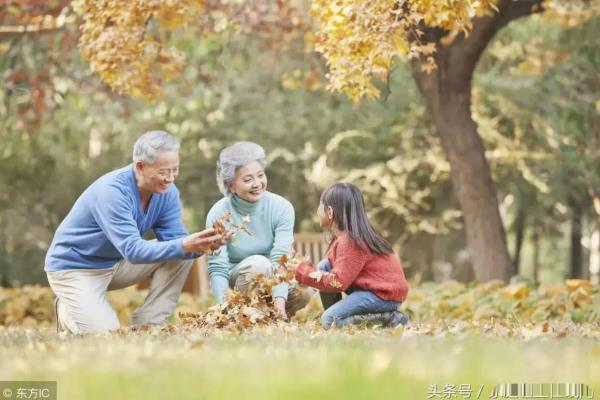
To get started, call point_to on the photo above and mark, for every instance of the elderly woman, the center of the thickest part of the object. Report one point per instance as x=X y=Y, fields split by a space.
x=242 y=180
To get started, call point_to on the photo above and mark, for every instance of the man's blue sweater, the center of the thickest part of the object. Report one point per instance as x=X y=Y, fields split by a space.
x=107 y=223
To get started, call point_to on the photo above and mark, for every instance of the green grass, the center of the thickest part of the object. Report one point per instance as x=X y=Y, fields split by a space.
x=288 y=363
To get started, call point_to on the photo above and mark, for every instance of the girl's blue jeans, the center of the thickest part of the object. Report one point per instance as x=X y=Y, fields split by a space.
x=341 y=312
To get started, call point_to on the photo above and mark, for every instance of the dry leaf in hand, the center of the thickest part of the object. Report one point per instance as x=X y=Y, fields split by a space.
x=317 y=275
x=224 y=224
x=219 y=227
x=335 y=283
x=244 y=229
x=283 y=260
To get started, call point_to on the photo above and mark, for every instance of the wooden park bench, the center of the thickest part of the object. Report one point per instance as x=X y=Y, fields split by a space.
x=311 y=245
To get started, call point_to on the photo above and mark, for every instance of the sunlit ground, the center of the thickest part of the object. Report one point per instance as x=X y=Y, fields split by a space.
x=290 y=362
x=480 y=335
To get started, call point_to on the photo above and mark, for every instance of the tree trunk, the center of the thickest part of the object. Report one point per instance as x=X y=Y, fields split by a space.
x=594 y=270
x=535 y=239
x=472 y=183
x=470 y=174
x=576 y=257
x=447 y=92
x=519 y=236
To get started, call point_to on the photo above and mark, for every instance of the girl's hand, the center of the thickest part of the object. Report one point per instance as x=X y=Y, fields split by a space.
x=291 y=263
x=302 y=271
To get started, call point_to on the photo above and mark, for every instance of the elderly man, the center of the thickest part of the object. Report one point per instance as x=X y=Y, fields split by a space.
x=99 y=245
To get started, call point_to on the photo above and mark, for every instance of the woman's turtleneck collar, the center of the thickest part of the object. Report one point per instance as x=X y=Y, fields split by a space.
x=242 y=206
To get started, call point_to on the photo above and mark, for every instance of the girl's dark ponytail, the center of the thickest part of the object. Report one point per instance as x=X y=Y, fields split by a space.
x=349 y=215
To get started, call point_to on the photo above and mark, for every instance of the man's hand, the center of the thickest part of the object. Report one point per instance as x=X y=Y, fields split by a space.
x=202 y=241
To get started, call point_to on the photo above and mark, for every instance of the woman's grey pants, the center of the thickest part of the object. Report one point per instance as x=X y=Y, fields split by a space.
x=243 y=273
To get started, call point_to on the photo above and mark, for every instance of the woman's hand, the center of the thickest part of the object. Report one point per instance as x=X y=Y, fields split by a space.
x=279 y=303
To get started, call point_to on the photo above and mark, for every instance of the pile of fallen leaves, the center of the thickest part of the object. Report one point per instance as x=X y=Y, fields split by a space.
x=28 y=306
x=238 y=312
x=576 y=300
x=32 y=306
x=245 y=310
x=491 y=308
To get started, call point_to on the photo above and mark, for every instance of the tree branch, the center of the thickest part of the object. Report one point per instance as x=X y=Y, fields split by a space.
x=7 y=32
x=39 y=18
x=465 y=52
x=457 y=61
x=513 y=9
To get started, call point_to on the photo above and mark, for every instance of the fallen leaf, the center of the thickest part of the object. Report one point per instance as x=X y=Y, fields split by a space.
x=317 y=275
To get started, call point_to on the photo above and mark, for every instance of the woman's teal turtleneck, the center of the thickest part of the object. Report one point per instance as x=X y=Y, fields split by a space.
x=245 y=207
x=272 y=227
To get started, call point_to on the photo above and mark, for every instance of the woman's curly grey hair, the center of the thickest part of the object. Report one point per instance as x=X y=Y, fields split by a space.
x=235 y=156
x=152 y=142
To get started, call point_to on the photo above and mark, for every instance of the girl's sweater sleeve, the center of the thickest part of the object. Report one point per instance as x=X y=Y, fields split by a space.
x=347 y=261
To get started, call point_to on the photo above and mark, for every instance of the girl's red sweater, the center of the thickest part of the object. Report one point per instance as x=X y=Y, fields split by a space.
x=358 y=268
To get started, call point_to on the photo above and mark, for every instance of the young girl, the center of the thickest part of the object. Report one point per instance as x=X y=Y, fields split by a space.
x=359 y=262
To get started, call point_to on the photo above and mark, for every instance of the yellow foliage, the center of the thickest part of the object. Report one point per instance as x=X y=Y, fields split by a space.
x=515 y=292
x=574 y=284
x=570 y=14
x=121 y=47
x=360 y=39
x=580 y=298
x=552 y=290
x=124 y=41
x=493 y=308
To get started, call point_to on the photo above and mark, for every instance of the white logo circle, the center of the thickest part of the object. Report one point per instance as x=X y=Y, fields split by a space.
x=7 y=393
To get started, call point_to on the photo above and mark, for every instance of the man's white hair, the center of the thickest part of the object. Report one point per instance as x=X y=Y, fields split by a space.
x=152 y=142
x=235 y=156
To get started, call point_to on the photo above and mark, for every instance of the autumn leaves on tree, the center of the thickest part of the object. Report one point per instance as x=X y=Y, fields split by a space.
x=126 y=44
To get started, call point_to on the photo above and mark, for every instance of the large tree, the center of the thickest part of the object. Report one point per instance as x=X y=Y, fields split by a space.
x=126 y=44
x=444 y=41
x=447 y=91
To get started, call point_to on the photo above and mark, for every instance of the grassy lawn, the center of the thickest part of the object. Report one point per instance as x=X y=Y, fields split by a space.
x=475 y=334
x=290 y=362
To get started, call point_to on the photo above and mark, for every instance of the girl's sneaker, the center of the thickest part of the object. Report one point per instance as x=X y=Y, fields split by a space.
x=398 y=318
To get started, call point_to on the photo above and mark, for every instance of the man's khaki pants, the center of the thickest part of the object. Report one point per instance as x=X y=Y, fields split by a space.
x=84 y=308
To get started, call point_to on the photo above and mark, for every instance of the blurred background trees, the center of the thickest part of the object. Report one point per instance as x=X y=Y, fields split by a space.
x=535 y=101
